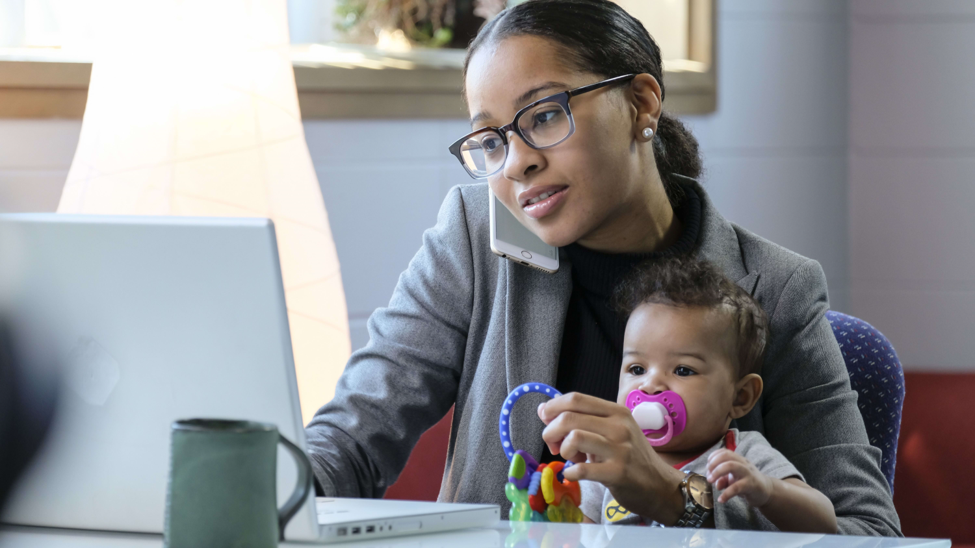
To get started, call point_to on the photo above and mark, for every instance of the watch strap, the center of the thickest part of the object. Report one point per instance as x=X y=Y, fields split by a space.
x=694 y=517
x=694 y=514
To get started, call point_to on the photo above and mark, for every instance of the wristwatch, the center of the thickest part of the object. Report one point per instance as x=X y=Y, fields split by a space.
x=698 y=500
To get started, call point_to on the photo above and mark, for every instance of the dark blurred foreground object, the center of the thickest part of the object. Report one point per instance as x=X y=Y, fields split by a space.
x=27 y=401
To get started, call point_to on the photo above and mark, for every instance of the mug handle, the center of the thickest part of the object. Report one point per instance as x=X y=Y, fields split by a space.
x=302 y=489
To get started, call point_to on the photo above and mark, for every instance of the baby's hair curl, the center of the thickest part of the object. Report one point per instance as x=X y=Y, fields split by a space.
x=689 y=282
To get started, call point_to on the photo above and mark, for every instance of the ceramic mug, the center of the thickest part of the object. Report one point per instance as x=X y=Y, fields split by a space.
x=222 y=485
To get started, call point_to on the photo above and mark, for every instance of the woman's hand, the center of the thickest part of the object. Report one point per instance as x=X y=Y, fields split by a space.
x=607 y=446
x=732 y=473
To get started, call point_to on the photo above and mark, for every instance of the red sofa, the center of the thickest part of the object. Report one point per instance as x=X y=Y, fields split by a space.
x=934 y=484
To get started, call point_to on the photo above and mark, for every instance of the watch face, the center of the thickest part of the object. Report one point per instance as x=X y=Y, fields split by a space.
x=700 y=491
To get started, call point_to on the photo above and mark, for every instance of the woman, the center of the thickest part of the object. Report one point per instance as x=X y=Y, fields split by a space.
x=464 y=327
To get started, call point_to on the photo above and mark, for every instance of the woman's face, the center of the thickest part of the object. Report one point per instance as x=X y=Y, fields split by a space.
x=594 y=174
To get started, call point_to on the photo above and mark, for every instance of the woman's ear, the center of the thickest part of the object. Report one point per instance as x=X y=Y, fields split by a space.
x=644 y=94
x=747 y=392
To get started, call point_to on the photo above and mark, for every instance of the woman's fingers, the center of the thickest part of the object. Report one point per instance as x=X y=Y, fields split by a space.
x=578 y=403
x=555 y=433
x=571 y=420
x=580 y=444
x=579 y=471
x=607 y=473
x=576 y=411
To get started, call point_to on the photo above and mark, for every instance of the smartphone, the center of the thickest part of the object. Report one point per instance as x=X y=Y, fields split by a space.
x=511 y=240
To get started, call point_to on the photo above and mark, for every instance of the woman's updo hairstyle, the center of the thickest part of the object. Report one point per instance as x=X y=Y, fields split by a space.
x=601 y=38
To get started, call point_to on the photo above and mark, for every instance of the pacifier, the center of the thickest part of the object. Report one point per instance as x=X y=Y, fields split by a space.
x=662 y=415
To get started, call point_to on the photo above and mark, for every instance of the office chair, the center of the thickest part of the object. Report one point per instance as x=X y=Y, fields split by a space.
x=877 y=376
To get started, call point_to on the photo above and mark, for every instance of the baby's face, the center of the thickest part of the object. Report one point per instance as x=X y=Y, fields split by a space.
x=691 y=352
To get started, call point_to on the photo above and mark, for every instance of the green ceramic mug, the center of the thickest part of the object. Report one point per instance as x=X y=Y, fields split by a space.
x=222 y=485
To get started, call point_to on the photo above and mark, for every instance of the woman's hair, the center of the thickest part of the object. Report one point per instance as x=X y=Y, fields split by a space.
x=687 y=282
x=600 y=37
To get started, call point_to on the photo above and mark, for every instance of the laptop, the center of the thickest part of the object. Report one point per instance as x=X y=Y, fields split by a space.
x=155 y=319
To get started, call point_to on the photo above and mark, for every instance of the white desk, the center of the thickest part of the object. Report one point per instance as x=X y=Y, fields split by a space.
x=533 y=535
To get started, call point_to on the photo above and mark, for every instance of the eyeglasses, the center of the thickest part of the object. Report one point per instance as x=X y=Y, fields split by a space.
x=542 y=124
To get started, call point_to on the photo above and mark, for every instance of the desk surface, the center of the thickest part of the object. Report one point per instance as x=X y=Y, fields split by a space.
x=512 y=535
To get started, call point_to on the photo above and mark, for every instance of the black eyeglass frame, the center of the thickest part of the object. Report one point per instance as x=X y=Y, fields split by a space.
x=561 y=98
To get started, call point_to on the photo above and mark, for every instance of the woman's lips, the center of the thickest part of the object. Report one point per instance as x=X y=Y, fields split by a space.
x=545 y=207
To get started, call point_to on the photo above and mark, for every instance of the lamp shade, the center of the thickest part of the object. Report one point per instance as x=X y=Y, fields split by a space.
x=192 y=110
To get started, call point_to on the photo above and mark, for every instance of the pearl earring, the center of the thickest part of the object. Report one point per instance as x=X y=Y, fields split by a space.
x=647 y=133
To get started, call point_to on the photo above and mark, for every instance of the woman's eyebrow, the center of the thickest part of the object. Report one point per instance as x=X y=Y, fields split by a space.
x=530 y=94
x=521 y=100
x=478 y=117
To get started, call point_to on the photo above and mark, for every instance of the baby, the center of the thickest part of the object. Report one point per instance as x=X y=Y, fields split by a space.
x=693 y=350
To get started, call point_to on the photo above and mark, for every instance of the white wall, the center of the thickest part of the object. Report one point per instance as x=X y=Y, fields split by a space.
x=34 y=159
x=775 y=151
x=912 y=177
x=383 y=183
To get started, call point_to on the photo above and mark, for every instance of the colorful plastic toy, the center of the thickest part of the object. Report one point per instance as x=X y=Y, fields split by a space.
x=538 y=492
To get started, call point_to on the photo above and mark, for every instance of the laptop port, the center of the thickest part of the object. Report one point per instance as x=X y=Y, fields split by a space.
x=370 y=528
x=356 y=530
x=342 y=531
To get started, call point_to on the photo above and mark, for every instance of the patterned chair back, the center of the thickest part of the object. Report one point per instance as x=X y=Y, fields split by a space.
x=877 y=376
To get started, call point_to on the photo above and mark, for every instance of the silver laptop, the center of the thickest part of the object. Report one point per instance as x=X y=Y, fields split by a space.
x=156 y=319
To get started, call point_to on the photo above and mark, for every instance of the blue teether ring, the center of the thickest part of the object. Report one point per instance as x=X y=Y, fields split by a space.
x=504 y=422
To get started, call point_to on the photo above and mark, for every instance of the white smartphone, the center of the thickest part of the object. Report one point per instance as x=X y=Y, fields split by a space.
x=511 y=240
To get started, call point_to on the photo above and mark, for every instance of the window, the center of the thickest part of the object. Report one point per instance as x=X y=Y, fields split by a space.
x=45 y=71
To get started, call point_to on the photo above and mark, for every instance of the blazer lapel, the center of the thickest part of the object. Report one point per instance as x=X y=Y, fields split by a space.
x=749 y=282
x=536 y=304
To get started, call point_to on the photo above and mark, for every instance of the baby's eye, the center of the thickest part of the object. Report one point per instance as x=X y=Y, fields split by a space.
x=636 y=370
x=684 y=371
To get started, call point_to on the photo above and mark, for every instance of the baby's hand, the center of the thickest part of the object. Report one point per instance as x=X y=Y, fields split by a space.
x=732 y=473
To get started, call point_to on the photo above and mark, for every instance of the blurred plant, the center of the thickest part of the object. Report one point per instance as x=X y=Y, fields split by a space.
x=487 y=9
x=427 y=23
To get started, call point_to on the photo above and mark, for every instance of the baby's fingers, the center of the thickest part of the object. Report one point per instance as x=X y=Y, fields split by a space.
x=738 y=488
x=721 y=456
x=724 y=481
x=738 y=469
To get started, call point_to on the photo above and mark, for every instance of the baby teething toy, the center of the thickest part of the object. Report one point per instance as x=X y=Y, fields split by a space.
x=662 y=415
x=538 y=492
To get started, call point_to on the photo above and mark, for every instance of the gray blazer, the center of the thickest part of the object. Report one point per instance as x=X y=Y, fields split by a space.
x=464 y=327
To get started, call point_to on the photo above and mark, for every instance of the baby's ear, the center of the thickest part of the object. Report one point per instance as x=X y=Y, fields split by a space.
x=747 y=391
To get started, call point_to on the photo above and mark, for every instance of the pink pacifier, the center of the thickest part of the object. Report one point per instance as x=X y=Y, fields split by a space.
x=657 y=414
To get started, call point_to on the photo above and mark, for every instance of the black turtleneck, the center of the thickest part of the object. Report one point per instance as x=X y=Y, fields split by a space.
x=592 y=340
